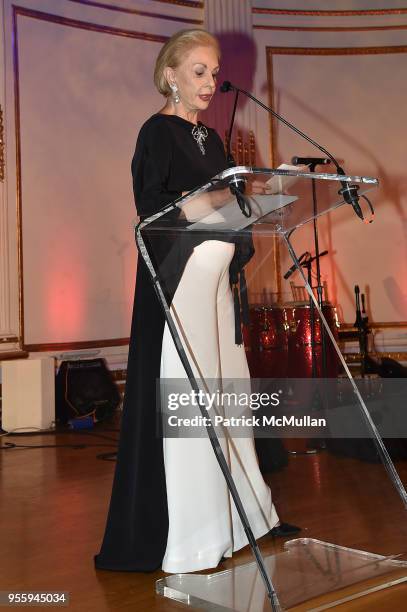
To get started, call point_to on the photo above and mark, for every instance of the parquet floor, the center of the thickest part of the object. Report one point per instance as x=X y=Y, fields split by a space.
x=54 y=502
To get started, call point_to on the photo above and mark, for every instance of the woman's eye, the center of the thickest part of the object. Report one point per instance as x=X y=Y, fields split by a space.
x=199 y=73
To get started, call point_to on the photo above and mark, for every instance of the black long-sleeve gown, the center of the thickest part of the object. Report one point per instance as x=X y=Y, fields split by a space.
x=166 y=162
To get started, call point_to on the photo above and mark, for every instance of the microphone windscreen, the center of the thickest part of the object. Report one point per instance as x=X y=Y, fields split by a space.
x=226 y=86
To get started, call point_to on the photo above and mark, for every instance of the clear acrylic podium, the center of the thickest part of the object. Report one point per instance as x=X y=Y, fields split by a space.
x=368 y=551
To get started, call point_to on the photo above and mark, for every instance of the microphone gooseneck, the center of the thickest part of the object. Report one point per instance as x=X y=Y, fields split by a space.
x=237 y=185
x=227 y=86
x=229 y=157
x=348 y=192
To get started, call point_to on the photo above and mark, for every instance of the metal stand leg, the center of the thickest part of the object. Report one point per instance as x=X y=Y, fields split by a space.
x=381 y=449
x=217 y=449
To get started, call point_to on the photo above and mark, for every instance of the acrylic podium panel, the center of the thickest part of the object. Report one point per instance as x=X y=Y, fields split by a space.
x=353 y=517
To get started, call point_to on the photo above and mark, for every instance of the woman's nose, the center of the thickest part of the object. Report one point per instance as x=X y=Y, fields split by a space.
x=212 y=81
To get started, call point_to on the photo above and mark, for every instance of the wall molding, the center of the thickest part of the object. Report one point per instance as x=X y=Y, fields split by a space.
x=379 y=325
x=84 y=25
x=329 y=28
x=396 y=355
x=270 y=51
x=188 y=3
x=336 y=50
x=327 y=51
x=130 y=11
x=6 y=356
x=76 y=346
x=329 y=13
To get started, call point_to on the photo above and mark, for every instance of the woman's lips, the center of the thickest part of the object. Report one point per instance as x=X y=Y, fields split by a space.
x=205 y=97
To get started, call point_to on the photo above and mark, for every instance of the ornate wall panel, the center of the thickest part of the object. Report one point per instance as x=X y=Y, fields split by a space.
x=337 y=76
x=78 y=87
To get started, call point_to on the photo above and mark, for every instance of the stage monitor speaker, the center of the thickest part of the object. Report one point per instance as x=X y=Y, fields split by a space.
x=83 y=388
x=28 y=389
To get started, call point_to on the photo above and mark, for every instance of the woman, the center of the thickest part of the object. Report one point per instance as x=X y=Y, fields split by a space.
x=170 y=507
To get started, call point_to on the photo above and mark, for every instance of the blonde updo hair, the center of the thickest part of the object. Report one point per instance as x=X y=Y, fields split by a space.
x=174 y=50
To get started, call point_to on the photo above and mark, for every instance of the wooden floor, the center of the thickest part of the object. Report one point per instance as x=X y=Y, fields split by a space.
x=54 y=503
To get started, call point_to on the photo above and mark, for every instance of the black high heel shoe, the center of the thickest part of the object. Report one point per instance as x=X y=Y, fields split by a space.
x=284 y=530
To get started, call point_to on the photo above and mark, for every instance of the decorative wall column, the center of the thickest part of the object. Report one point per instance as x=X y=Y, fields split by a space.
x=8 y=334
x=231 y=23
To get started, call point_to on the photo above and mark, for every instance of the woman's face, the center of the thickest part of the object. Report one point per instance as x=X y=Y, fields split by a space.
x=195 y=78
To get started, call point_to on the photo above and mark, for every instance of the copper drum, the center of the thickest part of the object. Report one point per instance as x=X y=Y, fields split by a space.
x=299 y=341
x=267 y=342
x=300 y=355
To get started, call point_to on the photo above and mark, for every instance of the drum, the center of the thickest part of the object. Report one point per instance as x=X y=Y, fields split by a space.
x=299 y=341
x=266 y=342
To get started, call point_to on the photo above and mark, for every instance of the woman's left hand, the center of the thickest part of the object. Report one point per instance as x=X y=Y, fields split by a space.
x=257 y=186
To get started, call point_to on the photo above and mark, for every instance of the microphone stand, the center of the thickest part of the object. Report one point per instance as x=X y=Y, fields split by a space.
x=361 y=324
x=318 y=444
x=306 y=261
x=312 y=163
x=319 y=286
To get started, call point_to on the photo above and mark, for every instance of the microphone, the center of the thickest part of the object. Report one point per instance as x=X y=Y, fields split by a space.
x=226 y=86
x=307 y=260
x=358 y=321
x=350 y=195
x=348 y=192
x=294 y=267
x=309 y=161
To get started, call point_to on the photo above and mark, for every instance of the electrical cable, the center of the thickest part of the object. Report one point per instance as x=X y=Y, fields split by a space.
x=77 y=446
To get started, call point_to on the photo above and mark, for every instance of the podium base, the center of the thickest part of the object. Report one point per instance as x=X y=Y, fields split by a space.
x=308 y=570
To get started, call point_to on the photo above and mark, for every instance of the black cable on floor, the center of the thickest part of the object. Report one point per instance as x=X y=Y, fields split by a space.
x=79 y=446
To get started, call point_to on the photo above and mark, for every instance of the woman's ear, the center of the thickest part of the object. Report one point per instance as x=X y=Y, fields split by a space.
x=169 y=74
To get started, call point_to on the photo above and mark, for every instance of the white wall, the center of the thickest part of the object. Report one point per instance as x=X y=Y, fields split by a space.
x=77 y=88
x=85 y=87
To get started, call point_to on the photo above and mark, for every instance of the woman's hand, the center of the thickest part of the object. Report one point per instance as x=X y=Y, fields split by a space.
x=257 y=186
x=204 y=204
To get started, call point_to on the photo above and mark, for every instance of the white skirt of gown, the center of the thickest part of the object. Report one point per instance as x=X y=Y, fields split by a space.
x=203 y=521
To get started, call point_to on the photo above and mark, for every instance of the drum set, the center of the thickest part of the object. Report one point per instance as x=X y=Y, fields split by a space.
x=279 y=344
x=278 y=341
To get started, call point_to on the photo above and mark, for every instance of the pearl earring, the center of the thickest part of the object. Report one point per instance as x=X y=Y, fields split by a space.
x=174 y=89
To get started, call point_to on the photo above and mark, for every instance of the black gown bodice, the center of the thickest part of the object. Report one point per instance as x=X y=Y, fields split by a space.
x=166 y=163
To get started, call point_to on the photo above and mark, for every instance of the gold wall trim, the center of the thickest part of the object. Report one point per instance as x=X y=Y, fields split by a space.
x=84 y=25
x=75 y=346
x=329 y=29
x=22 y=11
x=270 y=51
x=2 y=173
x=356 y=357
x=329 y=13
x=188 y=3
x=130 y=11
x=13 y=355
x=335 y=50
x=379 y=325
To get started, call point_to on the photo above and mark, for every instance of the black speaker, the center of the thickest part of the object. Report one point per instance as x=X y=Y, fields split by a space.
x=84 y=388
